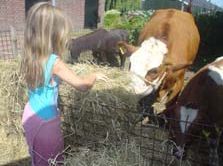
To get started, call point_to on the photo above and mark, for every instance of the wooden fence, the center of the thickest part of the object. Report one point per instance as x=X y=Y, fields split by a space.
x=11 y=42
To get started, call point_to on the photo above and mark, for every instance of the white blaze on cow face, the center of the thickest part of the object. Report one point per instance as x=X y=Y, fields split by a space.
x=148 y=56
x=216 y=73
x=219 y=58
x=187 y=116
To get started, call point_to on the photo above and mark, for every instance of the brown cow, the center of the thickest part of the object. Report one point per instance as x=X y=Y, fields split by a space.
x=201 y=102
x=170 y=37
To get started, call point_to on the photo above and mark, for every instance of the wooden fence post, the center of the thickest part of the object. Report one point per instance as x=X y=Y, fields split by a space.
x=14 y=41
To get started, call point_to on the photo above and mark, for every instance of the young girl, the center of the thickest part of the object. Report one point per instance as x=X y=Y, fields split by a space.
x=45 y=39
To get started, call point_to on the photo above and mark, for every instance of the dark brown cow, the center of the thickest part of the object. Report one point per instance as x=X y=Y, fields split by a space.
x=103 y=44
x=170 y=37
x=201 y=102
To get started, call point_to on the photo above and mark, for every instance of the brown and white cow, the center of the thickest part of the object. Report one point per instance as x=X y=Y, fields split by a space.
x=170 y=38
x=200 y=102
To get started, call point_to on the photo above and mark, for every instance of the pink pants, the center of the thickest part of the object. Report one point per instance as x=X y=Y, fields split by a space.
x=43 y=137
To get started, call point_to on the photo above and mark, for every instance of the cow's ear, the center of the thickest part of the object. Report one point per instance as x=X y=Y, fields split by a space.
x=122 y=50
x=126 y=48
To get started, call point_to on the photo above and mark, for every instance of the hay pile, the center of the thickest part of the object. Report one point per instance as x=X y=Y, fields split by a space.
x=126 y=154
x=13 y=97
x=104 y=112
x=13 y=94
x=100 y=115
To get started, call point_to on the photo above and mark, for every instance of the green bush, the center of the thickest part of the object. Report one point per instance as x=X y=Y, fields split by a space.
x=133 y=22
x=112 y=19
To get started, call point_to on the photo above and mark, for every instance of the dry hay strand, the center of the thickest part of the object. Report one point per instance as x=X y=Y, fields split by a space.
x=106 y=111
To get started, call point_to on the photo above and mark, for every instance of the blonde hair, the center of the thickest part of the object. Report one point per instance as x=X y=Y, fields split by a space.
x=45 y=33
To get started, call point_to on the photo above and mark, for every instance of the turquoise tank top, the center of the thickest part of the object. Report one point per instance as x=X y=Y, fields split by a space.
x=43 y=100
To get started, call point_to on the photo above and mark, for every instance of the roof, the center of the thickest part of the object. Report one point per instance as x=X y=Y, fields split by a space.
x=202 y=3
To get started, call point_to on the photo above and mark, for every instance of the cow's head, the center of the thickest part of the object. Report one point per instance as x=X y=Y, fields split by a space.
x=146 y=64
x=184 y=124
x=149 y=66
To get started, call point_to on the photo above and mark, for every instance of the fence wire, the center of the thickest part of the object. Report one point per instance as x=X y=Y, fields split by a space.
x=154 y=140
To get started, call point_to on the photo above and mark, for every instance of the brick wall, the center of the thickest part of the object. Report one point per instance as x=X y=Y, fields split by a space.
x=74 y=10
x=12 y=12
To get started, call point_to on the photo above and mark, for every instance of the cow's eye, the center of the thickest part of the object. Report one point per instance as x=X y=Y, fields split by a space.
x=153 y=71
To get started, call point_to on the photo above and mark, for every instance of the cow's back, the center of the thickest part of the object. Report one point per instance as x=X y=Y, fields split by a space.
x=178 y=30
x=112 y=38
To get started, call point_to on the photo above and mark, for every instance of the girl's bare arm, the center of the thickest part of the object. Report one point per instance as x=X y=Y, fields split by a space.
x=80 y=83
